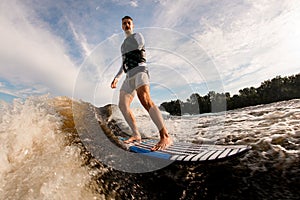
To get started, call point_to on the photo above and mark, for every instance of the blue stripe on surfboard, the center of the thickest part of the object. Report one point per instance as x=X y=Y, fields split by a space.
x=149 y=152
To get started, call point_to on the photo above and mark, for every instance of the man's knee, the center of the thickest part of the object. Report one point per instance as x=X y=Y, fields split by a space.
x=146 y=100
x=148 y=105
x=122 y=106
x=124 y=101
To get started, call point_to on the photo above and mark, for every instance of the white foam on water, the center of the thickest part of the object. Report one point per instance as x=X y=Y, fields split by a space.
x=34 y=161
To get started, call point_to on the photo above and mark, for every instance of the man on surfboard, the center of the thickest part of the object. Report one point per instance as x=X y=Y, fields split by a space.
x=137 y=82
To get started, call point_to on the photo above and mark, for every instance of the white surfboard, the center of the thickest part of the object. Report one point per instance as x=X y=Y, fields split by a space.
x=188 y=152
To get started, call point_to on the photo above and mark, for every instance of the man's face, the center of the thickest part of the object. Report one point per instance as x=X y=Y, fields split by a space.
x=127 y=25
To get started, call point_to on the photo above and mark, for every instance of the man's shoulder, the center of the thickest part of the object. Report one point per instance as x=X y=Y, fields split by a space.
x=139 y=38
x=138 y=35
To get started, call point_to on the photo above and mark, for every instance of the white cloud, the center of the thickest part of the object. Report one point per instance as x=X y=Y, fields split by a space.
x=134 y=3
x=252 y=40
x=8 y=92
x=81 y=39
x=31 y=58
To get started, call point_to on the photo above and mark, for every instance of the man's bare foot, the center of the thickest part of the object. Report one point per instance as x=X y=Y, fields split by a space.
x=133 y=139
x=163 y=143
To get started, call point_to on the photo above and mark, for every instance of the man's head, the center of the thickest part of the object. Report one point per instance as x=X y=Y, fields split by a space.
x=127 y=25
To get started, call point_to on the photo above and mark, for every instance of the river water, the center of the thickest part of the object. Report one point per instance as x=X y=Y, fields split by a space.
x=42 y=155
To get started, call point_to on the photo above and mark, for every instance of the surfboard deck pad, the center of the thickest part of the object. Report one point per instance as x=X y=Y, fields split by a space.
x=188 y=152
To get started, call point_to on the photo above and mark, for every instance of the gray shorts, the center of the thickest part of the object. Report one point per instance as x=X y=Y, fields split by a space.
x=130 y=84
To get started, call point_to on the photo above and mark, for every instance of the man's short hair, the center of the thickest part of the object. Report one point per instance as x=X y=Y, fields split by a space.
x=127 y=17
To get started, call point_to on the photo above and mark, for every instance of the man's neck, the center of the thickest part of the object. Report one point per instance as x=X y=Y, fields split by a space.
x=127 y=34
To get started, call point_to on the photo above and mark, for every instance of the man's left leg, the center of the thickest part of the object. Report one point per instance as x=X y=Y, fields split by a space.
x=143 y=93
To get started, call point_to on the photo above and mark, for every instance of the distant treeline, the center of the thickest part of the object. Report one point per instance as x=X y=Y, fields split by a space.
x=277 y=89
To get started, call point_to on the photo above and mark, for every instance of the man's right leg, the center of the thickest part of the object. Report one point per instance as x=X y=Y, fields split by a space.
x=125 y=100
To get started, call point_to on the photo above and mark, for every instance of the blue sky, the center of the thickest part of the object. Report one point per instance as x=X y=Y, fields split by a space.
x=71 y=47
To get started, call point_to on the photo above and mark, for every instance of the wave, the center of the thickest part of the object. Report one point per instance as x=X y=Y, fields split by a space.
x=38 y=160
x=45 y=153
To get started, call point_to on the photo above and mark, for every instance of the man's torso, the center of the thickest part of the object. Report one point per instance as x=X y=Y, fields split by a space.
x=133 y=52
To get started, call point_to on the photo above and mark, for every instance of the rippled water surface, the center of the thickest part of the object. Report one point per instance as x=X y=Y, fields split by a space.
x=42 y=156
